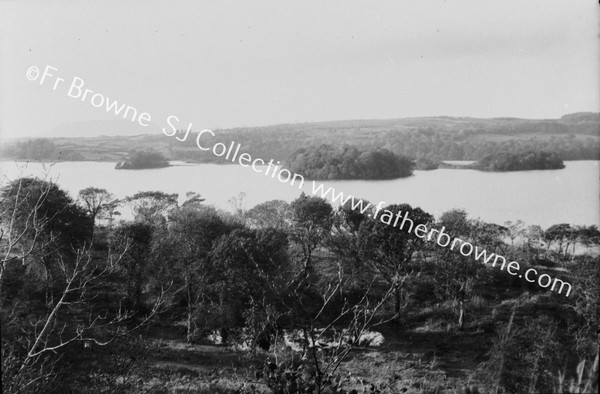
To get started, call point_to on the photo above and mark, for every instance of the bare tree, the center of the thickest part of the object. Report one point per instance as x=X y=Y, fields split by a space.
x=21 y=224
x=330 y=337
x=41 y=243
x=53 y=330
x=331 y=329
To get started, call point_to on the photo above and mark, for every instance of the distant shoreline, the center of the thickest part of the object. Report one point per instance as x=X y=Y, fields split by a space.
x=180 y=163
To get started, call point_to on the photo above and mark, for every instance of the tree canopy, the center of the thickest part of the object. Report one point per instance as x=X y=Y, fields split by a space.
x=346 y=162
x=274 y=277
x=530 y=160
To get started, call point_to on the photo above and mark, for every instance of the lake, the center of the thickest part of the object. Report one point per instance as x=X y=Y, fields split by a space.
x=544 y=197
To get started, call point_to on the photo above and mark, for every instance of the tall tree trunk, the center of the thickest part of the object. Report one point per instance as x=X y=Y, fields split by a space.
x=461 y=315
x=189 y=315
x=93 y=225
x=398 y=299
x=307 y=261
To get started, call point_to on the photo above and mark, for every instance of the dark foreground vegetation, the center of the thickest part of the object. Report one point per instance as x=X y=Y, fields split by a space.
x=292 y=296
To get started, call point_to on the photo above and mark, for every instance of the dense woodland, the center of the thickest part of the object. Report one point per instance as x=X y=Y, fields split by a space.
x=424 y=140
x=94 y=304
x=505 y=161
x=345 y=162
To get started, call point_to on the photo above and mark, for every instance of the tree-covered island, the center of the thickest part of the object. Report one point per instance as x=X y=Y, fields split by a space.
x=143 y=160
x=520 y=161
x=530 y=160
x=349 y=162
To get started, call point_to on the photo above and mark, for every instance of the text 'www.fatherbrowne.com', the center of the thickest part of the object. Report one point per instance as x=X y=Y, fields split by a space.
x=439 y=236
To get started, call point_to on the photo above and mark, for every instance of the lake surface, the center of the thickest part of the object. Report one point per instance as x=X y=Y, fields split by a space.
x=570 y=195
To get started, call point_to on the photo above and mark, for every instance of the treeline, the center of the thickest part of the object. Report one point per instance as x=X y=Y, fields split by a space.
x=75 y=282
x=422 y=144
x=427 y=141
x=345 y=162
x=40 y=149
x=505 y=161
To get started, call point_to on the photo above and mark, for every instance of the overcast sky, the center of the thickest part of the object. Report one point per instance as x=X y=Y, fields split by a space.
x=248 y=63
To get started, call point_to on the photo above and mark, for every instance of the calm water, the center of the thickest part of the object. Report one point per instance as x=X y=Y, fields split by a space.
x=536 y=197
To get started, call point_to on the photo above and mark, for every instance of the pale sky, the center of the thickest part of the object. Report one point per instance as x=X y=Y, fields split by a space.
x=248 y=63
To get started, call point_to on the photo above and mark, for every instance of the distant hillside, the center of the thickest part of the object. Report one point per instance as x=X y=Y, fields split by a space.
x=425 y=140
x=98 y=128
x=574 y=137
